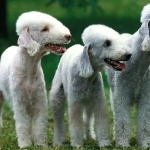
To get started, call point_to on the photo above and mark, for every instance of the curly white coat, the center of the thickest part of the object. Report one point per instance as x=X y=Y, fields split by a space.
x=21 y=76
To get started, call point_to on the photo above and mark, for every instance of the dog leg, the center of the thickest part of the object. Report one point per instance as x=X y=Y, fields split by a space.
x=88 y=122
x=39 y=121
x=75 y=114
x=143 y=124
x=101 y=123
x=22 y=123
x=57 y=99
x=121 y=119
x=143 y=114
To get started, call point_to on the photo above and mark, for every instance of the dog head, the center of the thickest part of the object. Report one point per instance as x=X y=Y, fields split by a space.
x=103 y=45
x=39 y=31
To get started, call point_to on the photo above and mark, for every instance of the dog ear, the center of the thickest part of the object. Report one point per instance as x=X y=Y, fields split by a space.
x=27 y=42
x=85 y=67
x=145 y=29
x=146 y=39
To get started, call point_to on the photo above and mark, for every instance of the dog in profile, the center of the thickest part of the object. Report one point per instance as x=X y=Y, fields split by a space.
x=78 y=79
x=21 y=76
x=132 y=87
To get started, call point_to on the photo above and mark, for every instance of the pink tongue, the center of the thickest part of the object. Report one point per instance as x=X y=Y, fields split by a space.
x=57 y=48
x=123 y=66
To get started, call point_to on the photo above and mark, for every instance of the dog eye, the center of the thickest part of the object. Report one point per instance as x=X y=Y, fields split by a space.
x=107 y=43
x=45 y=29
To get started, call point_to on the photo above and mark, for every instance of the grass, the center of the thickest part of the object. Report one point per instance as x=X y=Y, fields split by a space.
x=9 y=141
x=123 y=17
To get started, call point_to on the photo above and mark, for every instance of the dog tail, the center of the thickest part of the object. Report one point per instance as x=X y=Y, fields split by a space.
x=145 y=14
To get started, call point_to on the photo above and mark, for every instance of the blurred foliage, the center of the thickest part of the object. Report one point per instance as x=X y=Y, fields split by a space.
x=76 y=4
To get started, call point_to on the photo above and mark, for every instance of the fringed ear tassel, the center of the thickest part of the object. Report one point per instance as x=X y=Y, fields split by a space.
x=27 y=42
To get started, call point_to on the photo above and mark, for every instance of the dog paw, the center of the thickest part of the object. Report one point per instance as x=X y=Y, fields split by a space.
x=122 y=143
x=24 y=145
x=58 y=142
x=104 y=143
x=77 y=147
x=145 y=144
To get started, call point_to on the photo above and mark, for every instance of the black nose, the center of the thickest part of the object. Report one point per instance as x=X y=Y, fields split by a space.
x=128 y=56
x=68 y=37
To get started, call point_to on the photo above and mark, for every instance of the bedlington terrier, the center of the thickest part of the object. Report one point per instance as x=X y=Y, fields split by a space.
x=132 y=86
x=78 y=79
x=21 y=76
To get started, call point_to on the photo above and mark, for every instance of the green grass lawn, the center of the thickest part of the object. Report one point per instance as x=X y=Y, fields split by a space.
x=8 y=139
x=123 y=17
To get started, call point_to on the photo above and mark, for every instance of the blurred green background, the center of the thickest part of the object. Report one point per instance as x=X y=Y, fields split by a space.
x=123 y=16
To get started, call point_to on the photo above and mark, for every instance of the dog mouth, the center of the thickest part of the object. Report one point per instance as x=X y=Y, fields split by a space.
x=56 y=48
x=115 y=64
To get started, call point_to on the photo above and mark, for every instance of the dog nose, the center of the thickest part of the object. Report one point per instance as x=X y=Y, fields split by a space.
x=128 y=56
x=68 y=37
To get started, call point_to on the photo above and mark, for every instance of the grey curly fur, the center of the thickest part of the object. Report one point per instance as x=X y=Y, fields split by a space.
x=132 y=86
x=77 y=78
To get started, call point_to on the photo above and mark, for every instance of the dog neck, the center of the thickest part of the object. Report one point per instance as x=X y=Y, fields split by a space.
x=96 y=72
x=29 y=64
x=140 y=61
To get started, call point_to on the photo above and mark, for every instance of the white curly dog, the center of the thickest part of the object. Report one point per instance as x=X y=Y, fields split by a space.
x=133 y=86
x=21 y=76
x=78 y=79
